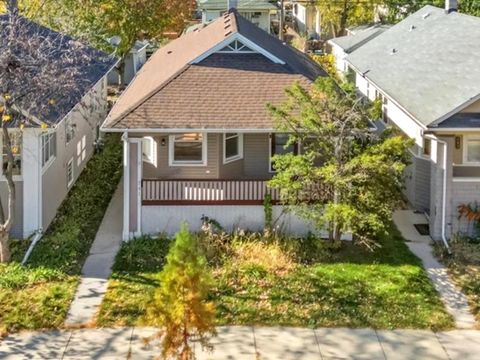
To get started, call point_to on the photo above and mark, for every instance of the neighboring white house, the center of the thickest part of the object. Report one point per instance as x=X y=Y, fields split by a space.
x=48 y=161
x=426 y=71
x=134 y=60
x=307 y=18
x=258 y=12
x=197 y=134
x=357 y=37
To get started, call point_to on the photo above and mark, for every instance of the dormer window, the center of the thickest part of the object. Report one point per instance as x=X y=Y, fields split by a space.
x=236 y=47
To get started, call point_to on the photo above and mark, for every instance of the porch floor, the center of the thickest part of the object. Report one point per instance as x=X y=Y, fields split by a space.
x=405 y=220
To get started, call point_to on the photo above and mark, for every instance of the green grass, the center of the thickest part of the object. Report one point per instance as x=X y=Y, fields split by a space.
x=464 y=267
x=291 y=283
x=38 y=295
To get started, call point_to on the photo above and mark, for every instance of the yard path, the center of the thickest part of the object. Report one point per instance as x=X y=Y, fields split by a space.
x=255 y=343
x=453 y=298
x=98 y=266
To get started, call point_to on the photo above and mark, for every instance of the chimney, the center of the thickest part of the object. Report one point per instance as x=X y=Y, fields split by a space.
x=232 y=4
x=451 y=6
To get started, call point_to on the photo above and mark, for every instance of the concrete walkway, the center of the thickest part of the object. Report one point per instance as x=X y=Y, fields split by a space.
x=453 y=298
x=259 y=343
x=97 y=267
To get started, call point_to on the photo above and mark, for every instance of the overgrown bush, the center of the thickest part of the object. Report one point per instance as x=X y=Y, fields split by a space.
x=68 y=239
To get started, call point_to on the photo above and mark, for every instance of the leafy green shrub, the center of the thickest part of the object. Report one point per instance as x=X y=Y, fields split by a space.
x=69 y=237
x=143 y=254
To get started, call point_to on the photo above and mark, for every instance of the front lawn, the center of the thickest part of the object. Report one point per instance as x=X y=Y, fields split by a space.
x=38 y=296
x=289 y=282
x=464 y=267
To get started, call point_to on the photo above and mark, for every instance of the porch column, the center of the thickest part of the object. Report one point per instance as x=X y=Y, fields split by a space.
x=132 y=174
x=32 y=182
x=437 y=192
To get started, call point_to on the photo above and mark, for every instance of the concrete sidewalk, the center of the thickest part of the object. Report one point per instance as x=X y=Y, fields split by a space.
x=254 y=343
x=97 y=267
x=455 y=301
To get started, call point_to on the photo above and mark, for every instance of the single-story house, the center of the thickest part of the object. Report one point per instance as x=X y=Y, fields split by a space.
x=197 y=134
x=355 y=38
x=258 y=12
x=426 y=71
x=134 y=60
x=307 y=18
x=47 y=162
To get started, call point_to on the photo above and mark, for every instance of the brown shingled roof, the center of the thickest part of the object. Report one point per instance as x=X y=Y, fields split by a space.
x=224 y=91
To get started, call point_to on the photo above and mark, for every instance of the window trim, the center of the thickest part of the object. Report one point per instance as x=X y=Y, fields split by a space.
x=171 y=149
x=465 y=140
x=153 y=149
x=70 y=183
x=296 y=151
x=237 y=157
x=51 y=159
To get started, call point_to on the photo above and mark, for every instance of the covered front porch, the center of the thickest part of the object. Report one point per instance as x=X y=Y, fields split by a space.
x=172 y=178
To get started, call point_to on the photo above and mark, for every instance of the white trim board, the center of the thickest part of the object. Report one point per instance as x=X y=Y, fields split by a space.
x=245 y=41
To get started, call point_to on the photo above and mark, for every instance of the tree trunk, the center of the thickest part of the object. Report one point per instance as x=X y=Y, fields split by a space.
x=4 y=248
x=6 y=223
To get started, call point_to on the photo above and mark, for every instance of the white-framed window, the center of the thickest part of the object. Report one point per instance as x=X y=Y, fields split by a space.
x=471 y=149
x=189 y=149
x=278 y=146
x=149 y=150
x=49 y=147
x=70 y=174
x=69 y=131
x=16 y=147
x=81 y=150
x=232 y=147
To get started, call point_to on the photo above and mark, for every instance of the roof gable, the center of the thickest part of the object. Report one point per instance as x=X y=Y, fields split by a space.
x=193 y=48
x=428 y=63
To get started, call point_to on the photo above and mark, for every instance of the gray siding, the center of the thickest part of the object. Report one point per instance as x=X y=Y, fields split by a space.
x=54 y=181
x=17 y=229
x=417 y=183
x=422 y=184
x=256 y=156
x=163 y=170
x=254 y=165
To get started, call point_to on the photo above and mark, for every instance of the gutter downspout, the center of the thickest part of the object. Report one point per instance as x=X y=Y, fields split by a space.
x=444 y=190
x=36 y=239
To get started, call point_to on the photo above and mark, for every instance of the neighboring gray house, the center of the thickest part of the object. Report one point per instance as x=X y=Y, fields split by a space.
x=257 y=11
x=134 y=60
x=198 y=137
x=357 y=37
x=48 y=161
x=426 y=71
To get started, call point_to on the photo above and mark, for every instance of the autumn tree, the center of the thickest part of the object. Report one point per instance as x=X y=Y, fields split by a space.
x=180 y=305
x=346 y=177
x=40 y=73
x=338 y=15
x=115 y=25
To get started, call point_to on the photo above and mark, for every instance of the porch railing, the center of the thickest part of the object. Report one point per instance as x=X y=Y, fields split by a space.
x=206 y=192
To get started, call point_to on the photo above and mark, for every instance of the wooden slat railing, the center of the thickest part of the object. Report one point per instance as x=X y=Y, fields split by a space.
x=206 y=192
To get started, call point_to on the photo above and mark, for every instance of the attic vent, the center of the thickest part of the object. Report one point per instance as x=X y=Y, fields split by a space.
x=425 y=15
x=236 y=47
x=412 y=27
x=394 y=51
x=228 y=32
